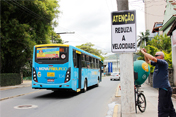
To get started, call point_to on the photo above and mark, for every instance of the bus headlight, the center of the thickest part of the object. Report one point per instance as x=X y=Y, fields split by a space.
x=34 y=75
x=67 y=76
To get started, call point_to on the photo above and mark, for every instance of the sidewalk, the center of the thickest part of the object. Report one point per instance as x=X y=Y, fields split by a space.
x=26 y=83
x=151 y=95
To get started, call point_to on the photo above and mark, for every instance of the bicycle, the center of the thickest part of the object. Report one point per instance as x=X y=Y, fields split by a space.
x=140 y=99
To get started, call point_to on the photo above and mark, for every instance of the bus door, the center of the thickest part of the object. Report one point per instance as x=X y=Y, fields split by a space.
x=79 y=68
x=101 y=70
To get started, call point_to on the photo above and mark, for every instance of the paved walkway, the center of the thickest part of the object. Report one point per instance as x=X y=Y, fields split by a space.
x=151 y=95
x=152 y=101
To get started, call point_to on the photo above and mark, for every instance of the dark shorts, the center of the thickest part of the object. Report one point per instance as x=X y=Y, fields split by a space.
x=165 y=105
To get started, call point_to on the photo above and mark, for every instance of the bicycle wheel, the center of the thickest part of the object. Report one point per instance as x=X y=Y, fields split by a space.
x=135 y=97
x=141 y=102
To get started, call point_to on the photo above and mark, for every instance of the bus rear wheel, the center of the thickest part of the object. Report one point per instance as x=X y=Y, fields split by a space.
x=98 y=83
x=85 y=86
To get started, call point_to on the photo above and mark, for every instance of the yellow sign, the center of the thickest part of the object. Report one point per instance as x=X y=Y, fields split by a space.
x=123 y=17
x=78 y=52
x=50 y=74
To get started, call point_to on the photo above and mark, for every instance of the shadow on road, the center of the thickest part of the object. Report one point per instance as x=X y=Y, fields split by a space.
x=62 y=94
x=58 y=95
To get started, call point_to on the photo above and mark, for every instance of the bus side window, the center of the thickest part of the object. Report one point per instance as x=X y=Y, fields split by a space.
x=94 y=63
x=87 y=61
x=97 y=63
x=83 y=62
x=75 y=59
x=91 y=62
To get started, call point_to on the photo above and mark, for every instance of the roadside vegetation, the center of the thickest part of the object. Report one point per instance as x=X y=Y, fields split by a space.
x=24 y=24
x=155 y=44
x=88 y=47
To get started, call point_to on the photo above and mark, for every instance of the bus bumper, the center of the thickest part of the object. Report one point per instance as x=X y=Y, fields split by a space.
x=51 y=86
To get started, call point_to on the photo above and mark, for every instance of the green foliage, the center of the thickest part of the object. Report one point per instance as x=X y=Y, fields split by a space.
x=25 y=24
x=143 y=39
x=113 y=56
x=168 y=58
x=27 y=69
x=9 y=79
x=159 y=43
x=88 y=47
x=56 y=38
x=163 y=43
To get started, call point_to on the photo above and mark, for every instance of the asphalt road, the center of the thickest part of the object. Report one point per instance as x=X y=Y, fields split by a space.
x=44 y=103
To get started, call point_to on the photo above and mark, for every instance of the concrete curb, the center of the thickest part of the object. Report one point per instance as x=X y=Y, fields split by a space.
x=117 y=107
x=118 y=91
x=13 y=87
x=117 y=111
x=20 y=95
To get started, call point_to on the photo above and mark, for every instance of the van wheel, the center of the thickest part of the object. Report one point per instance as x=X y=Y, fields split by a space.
x=85 y=86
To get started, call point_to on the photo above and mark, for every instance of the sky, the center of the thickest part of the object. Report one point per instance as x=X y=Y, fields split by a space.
x=90 y=20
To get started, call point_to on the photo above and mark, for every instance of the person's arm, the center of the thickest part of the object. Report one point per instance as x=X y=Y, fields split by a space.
x=148 y=57
x=147 y=60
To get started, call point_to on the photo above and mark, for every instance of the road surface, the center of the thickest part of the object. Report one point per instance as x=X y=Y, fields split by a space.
x=28 y=102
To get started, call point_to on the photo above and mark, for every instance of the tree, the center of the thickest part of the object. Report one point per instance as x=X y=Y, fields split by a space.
x=143 y=39
x=24 y=24
x=159 y=43
x=162 y=42
x=88 y=47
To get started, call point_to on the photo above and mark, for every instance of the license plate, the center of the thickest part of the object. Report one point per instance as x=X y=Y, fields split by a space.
x=50 y=74
x=50 y=80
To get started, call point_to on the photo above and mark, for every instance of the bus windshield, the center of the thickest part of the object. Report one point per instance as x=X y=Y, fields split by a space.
x=49 y=54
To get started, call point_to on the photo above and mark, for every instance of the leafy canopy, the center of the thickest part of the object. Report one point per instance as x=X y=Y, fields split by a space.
x=88 y=47
x=24 y=24
x=143 y=39
x=159 y=43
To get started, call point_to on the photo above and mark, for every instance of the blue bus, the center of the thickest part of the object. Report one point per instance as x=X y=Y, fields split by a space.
x=64 y=67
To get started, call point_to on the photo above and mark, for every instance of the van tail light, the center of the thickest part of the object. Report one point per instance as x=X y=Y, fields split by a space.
x=34 y=75
x=67 y=76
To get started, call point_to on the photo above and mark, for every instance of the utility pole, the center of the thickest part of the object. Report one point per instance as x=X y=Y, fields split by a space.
x=122 y=5
x=53 y=39
x=127 y=75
